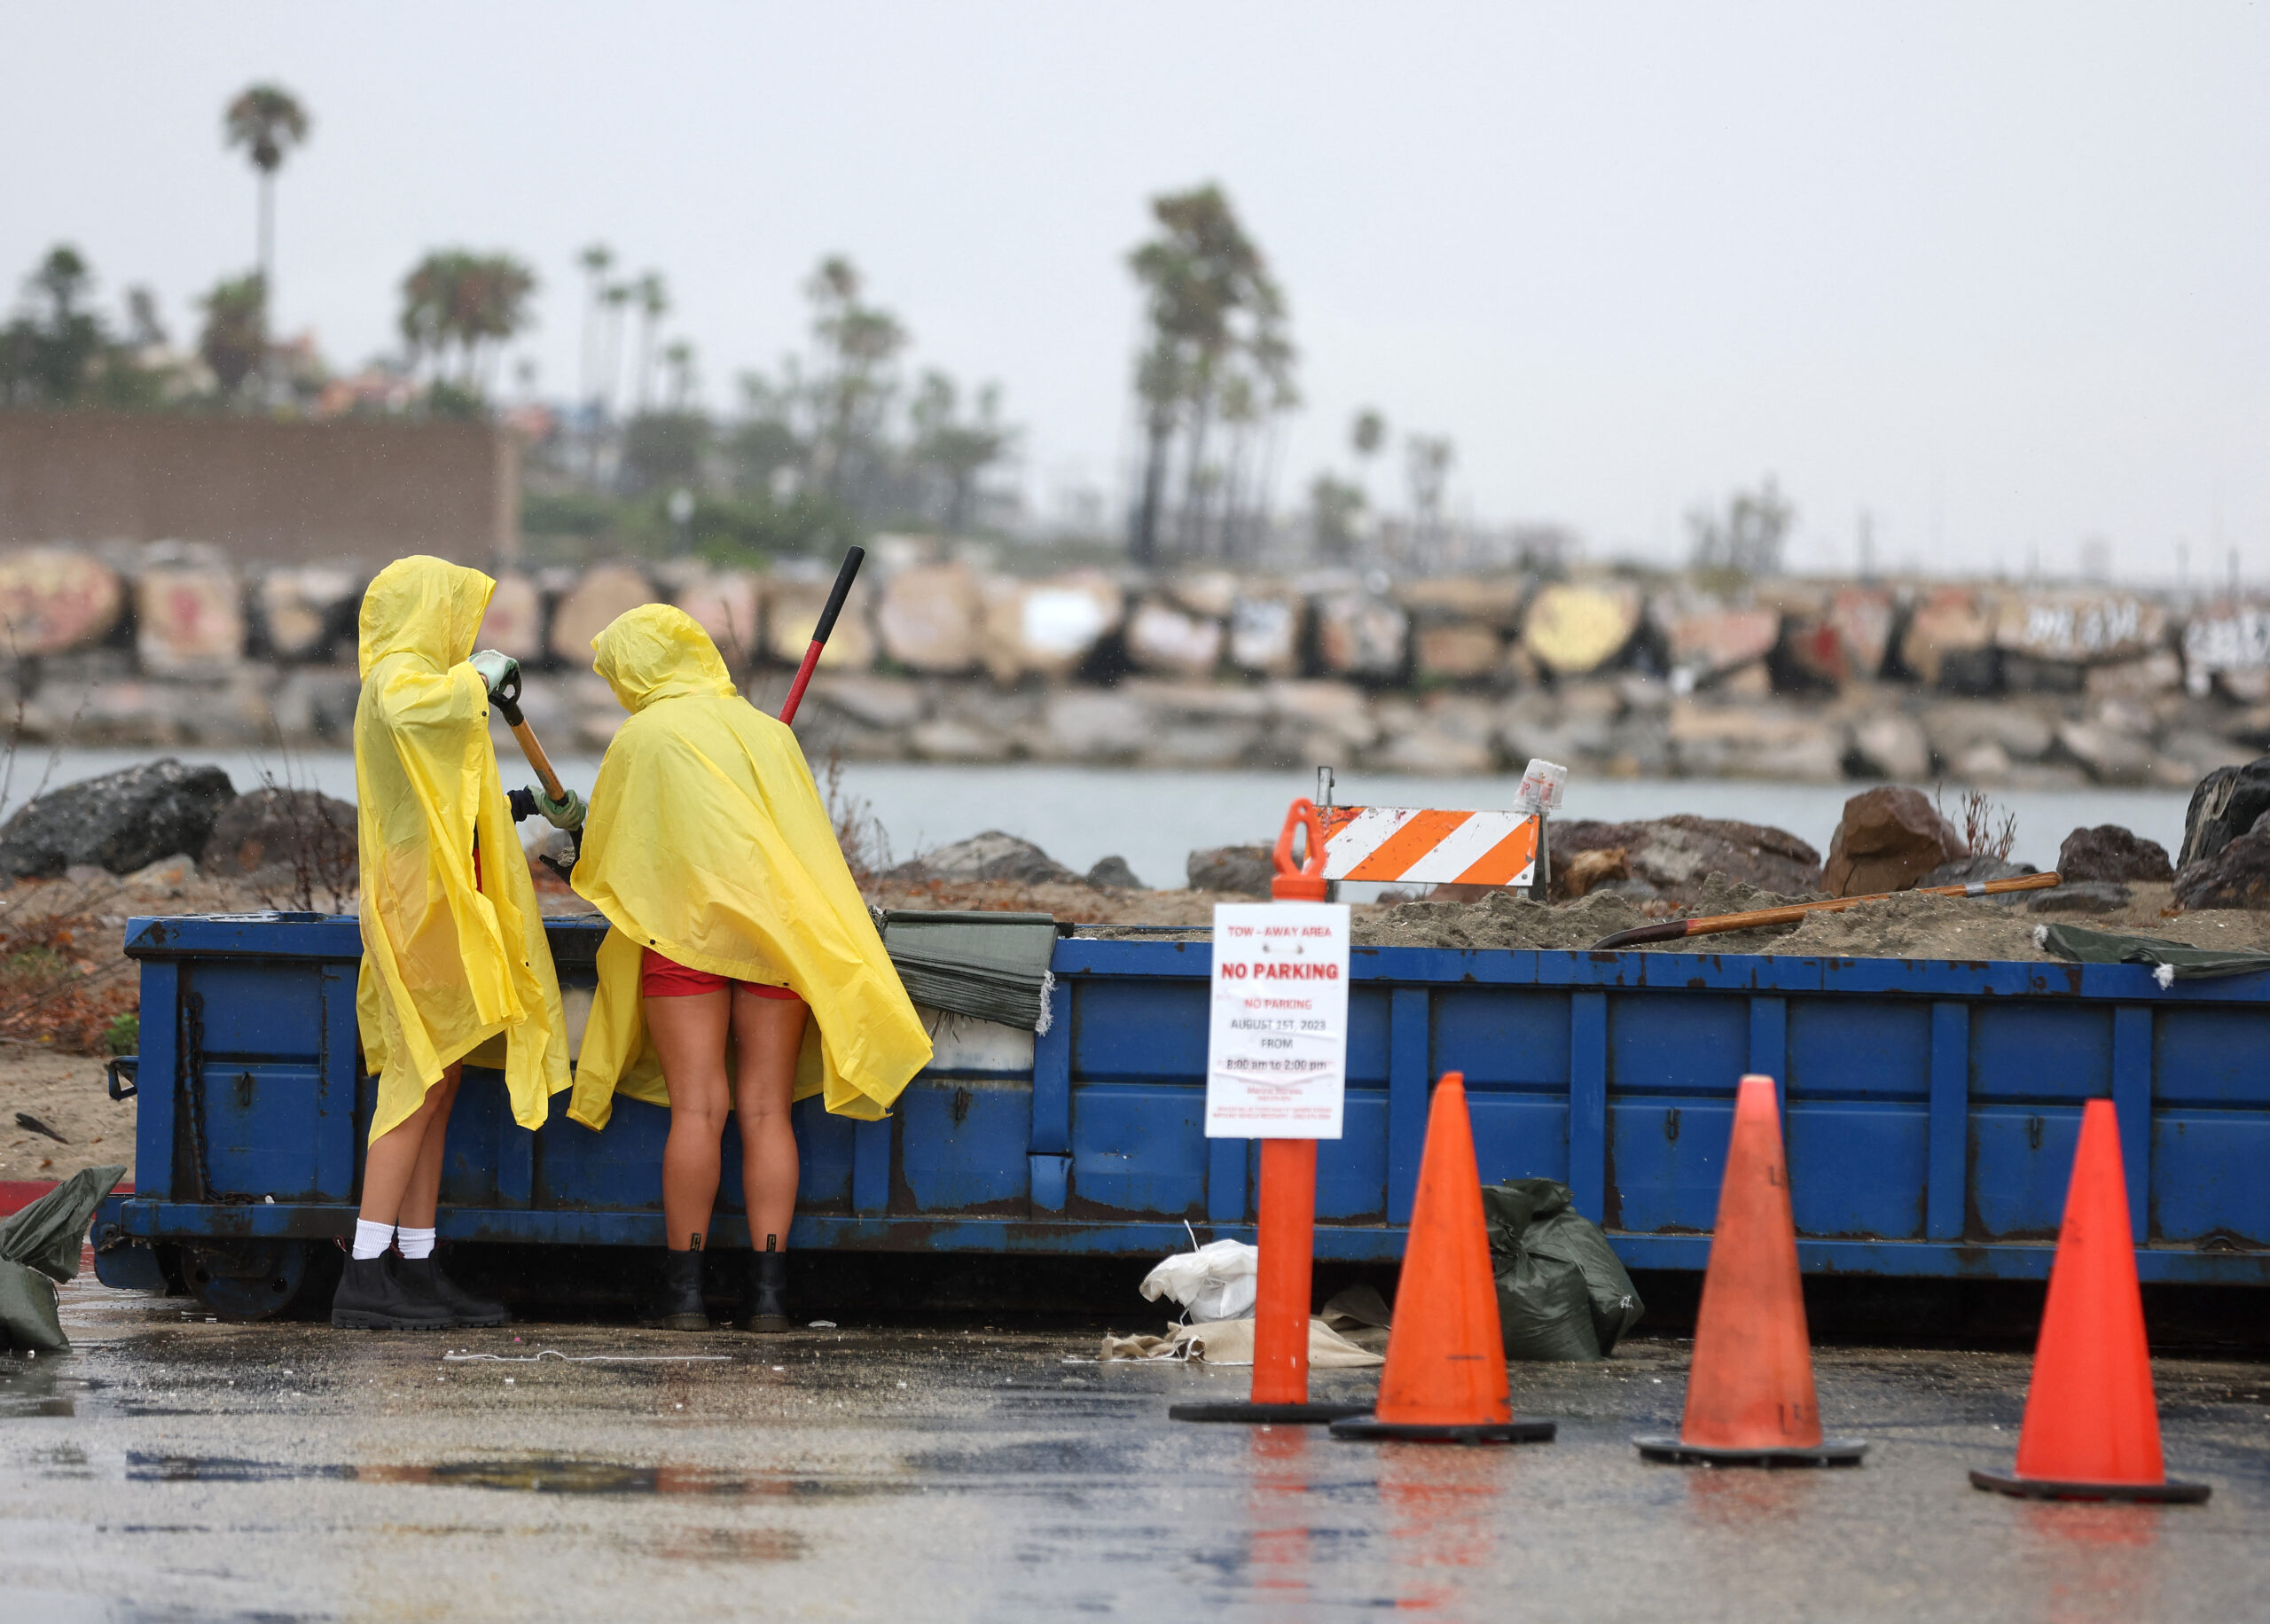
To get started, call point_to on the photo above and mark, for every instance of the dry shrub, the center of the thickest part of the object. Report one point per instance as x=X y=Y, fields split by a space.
x=1989 y=830
x=858 y=831
x=52 y=990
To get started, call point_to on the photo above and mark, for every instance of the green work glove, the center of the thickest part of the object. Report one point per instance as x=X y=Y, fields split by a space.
x=496 y=669
x=564 y=814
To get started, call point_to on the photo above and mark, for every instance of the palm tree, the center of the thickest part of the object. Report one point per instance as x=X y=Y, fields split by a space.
x=267 y=121
x=654 y=297
x=596 y=260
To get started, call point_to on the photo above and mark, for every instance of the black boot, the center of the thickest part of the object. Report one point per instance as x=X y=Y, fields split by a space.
x=678 y=1303
x=426 y=1276
x=764 y=1291
x=372 y=1297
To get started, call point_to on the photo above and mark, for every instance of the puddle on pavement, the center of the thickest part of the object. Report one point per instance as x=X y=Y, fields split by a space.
x=527 y=1474
x=38 y=1385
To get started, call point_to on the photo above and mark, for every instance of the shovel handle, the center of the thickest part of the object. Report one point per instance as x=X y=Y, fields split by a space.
x=506 y=697
x=836 y=594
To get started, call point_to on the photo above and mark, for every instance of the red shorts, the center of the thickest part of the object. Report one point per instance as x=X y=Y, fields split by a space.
x=666 y=978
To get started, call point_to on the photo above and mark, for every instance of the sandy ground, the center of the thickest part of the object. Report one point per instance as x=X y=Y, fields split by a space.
x=67 y=1093
x=172 y=1468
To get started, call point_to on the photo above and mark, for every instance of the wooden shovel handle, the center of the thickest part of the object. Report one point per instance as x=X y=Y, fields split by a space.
x=1672 y=930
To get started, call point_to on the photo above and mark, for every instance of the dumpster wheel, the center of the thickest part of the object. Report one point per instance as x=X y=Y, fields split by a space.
x=248 y=1280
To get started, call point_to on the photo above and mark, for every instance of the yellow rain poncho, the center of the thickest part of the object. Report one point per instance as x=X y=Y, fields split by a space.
x=706 y=842
x=449 y=968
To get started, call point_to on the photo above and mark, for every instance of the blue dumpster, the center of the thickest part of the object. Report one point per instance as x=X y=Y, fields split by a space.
x=1931 y=1110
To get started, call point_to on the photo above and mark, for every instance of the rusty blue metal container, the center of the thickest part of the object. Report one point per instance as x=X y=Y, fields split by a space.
x=1931 y=1111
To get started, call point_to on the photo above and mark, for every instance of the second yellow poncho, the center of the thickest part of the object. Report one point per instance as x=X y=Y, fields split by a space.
x=707 y=840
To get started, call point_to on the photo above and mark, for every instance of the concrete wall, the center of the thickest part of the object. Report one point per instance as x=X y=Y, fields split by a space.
x=298 y=492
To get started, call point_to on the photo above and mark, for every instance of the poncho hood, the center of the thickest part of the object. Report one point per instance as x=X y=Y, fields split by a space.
x=422 y=605
x=659 y=653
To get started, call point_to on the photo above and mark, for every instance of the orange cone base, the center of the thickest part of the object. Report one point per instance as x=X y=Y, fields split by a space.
x=2170 y=1492
x=1669 y=1452
x=1266 y=1415
x=1371 y=1429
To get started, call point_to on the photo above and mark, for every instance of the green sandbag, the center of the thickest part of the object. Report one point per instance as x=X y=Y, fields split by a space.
x=28 y=1311
x=993 y=966
x=43 y=1240
x=1550 y=1260
x=2178 y=961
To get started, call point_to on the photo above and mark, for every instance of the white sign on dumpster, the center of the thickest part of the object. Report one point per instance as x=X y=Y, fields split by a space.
x=1276 y=1048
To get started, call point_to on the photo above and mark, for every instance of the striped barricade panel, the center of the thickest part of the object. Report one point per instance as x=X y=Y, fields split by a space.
x=1430 y=848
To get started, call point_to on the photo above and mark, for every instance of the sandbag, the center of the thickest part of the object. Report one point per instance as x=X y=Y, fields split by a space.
x=1562 y=1292
x=28 y=1311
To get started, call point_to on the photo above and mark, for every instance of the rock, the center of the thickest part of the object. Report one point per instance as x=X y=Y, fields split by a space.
x=991 y=855
x=1428 y=750
x=1162 y=636
x=2226 y=804
x=315 y=705
x=1486 y=600
x=1886 y=840
x=514 y=624
x=729 y=604
x=951 y=738
x=2237 y=876
x=1976 y=871
x=2084 y=627
x=1756 y=741
x=1674 y=856
x=164 y=877
x=1209 y=594
x=1984 y=763
x=1458 y=651
x=932 y=618
x=1046 y=628
x=2189 y=756
x=871 y=701
x=586 y=609
x=2156 y=673
x=1893 y=745
x=1090 y=725
x=1265 y=633
x=2229 y=644
x=1706 y=641
x=2109 y=852
x=1571 y=629
x=2109 y=754
x=1245 y=870
x=303 y=613
x=121 y=821
x=1951 y=622
x=1861 y=618
x=1113 y=874
x=54 y=600
x=791 y=608
x=1587 y=870
x=1954 y=727
x=300 y=830
x=1358 y=634
x=2089 y=896
x=189 y=619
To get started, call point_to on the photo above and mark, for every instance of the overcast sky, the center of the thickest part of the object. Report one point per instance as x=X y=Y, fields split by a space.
x=1999 y=275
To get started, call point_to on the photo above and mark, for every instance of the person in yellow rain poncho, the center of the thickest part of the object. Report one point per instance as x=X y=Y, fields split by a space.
x=736 y=922
x=455 y=965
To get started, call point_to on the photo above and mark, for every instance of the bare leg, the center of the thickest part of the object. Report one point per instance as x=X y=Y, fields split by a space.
x=397 y=1187
x=689 y=1037
x=767 y=1033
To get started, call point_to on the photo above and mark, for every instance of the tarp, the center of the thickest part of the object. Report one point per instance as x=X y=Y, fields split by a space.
x=454 y=965
x=993 y=966
x=1562 y=1292
x=2174 y=961
x=39 y=1245
x=706 y=842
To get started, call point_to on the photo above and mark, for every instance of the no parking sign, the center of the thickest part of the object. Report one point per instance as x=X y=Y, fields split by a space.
x=1277 y=1047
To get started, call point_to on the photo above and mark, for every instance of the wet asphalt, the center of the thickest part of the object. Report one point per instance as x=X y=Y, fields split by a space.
x=171 y=1468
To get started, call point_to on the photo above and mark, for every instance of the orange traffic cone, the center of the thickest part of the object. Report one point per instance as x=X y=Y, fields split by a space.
x=2092 y=1425
x=1749 y=1395
x=1445 y=1376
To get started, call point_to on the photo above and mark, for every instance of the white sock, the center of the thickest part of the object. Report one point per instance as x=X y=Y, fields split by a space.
x=414 y=1243
x=371 y=1238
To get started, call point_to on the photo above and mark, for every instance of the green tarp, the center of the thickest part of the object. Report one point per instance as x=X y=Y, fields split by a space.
x=993 y=966
x=39 y=1245
x=2175 y=961
x=1562 y=1290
